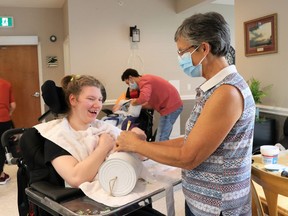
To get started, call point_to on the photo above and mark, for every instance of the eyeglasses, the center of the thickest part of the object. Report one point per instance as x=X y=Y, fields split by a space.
x=181 y=52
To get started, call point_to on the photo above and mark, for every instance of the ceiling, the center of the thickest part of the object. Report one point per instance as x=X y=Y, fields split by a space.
x=59 y=3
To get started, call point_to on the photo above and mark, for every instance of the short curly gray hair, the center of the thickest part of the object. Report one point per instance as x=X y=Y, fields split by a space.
x=209 y=27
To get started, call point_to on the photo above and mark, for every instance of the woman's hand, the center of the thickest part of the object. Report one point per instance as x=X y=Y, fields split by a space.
x=133 y=102
x=128 y=141
x=107 y=141
x=141 y=134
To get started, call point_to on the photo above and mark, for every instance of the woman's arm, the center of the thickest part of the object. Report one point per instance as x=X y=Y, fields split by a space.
x=75 y=172
x=12 y=107
x=117 y=105
x=218 y=116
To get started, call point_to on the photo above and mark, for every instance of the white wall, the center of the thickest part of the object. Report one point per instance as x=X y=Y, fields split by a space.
x=268 y=68
x=43 y=23
x=100 y=43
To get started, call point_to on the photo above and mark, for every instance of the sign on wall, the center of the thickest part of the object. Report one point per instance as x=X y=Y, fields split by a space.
x=52 y=61
x=6 y=22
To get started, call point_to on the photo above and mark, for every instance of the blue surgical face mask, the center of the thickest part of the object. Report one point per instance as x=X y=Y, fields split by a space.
x=133 y=85
x=185 y=62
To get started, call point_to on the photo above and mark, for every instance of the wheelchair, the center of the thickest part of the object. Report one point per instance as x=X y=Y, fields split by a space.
x=41 y=191
x=143 y=121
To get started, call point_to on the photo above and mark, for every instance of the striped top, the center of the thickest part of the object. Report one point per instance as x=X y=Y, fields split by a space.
x=222 y=182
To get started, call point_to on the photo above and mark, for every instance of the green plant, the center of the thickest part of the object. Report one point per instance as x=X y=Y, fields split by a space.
x=257 y=91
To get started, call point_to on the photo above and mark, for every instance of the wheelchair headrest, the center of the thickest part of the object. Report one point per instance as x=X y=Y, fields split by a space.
x=54 y=97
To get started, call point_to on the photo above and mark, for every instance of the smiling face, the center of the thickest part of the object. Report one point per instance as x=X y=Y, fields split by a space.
x=85 y=107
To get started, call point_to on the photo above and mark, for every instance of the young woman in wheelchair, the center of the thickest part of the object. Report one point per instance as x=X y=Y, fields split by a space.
x=77 y=144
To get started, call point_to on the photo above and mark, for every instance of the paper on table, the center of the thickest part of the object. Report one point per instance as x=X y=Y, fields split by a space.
x=159 y=177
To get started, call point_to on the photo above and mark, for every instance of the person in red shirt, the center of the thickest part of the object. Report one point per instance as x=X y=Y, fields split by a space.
x=125 y=96
x=7 y=106
x=158 y=94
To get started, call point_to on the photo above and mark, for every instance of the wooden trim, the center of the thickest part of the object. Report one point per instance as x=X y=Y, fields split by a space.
x=281 y=211
x=273 y=110
x=263 y=108
x=183 y=97
x=19 y=40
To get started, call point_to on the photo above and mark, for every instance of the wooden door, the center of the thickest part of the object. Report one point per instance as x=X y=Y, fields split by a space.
x=19 y=65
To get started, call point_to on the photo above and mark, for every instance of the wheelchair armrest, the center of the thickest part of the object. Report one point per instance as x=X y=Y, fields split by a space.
x=55 y=192
x=7 y=140
x=7 y=134
x=107 y=111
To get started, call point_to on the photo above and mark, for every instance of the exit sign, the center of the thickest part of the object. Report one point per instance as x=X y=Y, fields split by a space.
x=6 y=22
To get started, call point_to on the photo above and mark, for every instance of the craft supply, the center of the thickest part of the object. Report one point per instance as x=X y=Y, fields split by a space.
x=118 y=175
x=284 y=174
x=269 y=154
x=128 y=125
x=274 y=167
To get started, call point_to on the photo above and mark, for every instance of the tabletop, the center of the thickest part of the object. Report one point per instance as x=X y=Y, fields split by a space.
x=282 y=160
x=167 y=177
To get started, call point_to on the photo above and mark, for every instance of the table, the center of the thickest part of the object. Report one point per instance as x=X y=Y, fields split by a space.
x=282 y=200
x=85 y=206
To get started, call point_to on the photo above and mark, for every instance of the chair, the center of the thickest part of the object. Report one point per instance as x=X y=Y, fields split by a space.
x=257 y=209
x=144 y=121
x=284 y=139
x=46 y=193
x=45 y=190
x=32 y=171
x=264 y=134
x=273 y=185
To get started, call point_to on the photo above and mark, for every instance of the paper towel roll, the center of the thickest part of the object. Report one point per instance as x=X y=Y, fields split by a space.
x=118 y=175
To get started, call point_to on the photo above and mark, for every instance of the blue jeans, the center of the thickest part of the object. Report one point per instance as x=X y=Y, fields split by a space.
x=166 y=125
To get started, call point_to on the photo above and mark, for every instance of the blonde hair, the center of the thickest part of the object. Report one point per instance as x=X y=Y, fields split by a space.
x=73 y=84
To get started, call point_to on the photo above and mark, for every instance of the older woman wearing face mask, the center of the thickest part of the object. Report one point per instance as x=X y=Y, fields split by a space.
x=215 y=153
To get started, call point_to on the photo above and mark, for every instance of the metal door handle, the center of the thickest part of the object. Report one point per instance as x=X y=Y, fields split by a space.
x=36 y=94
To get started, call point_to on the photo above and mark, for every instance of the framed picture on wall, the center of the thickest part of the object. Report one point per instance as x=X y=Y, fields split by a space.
x=261 y=35
x=52 y=61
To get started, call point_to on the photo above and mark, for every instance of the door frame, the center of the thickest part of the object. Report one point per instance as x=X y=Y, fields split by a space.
x=27 y=40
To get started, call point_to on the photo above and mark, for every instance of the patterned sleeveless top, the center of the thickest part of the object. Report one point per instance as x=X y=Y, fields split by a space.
x=222 y=182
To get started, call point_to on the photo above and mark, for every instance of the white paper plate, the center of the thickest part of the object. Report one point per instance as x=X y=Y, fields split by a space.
x=274 y=167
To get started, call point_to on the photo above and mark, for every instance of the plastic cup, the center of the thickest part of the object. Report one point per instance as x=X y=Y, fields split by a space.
x=269 y=154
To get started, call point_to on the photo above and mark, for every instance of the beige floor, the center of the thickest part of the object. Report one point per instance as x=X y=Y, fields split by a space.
x=8 y=197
